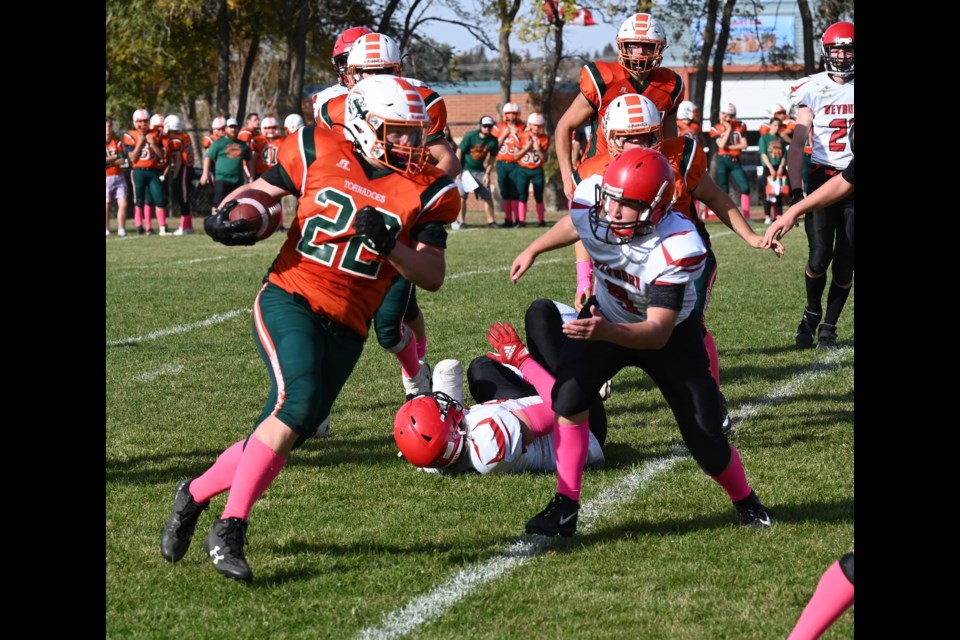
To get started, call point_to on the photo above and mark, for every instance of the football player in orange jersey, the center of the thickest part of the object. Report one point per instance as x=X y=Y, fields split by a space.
x=641 y=41
x=116 y=183
x=250 y=130
x=377 y=54
x=370 y=207
x=530 y=160
x=144 y=147
x=508 y=133
x=634 y=121
x=180 y=151
x=731 y=137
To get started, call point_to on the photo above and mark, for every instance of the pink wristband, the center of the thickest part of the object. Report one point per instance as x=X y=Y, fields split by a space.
x=584 y=276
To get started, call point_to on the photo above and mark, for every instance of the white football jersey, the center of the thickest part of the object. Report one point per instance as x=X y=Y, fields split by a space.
x=832 y=106
x=494 y=442
x=672 y=253
x=320 y=99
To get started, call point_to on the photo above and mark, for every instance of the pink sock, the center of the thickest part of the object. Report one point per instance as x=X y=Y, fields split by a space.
x=542 y=420
x=539 y=377
x=833 y=596
x=162 y=217
x=571 y=443
x=409 y=362
x=186 y=222
x=711 y=347
x=147 y=215
x=541 y=209
x=138 y=216
x=217 y=478
x=508 y=210
x=422 y=347
x=258 y=467
x=733 y=479
x=521 y=211
x=745 y=205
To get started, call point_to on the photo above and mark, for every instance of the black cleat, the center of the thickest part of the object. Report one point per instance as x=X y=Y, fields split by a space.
x=507 y=224
x=492 y=225
x=140 y=231
x=224 y=545
x=178 y=532
x=827 y=336
x=542 y=223
x=560 y=516
x=753 y=514
x=807 y=329
x=521 y=225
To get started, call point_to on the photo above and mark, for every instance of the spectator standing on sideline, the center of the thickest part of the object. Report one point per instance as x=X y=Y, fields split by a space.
x=824 y=104
x=530 y=160
x=476 y=153
x=508 y=141
x=180 y=152
x=116 y=184
x=779 y=112
x=144 y=148
x=311 y=317
x=216 y=131
x=773 y=157
x=250 y=130
x=292 y=123
x=646 y=258
x=731 y=137
x=231 y=158
x=641 y=41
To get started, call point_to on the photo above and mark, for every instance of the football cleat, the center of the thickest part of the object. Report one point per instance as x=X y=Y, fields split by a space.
x=224 y=545
x=606 y=390
x=807 y=329
x=420 y=383
x=178 y=532
x=560 y=516
x=753 y=514
x=323 y=431
x=827 y=336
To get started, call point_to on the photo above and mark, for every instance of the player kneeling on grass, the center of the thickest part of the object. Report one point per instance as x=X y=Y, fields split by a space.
x=370 y=208
x=510 y=429
x=646 y=258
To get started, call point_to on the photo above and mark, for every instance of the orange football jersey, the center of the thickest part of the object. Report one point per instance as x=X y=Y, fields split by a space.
x=534 y=158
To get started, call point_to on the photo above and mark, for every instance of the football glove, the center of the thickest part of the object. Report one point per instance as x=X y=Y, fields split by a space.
x=509 y=349
x=370 y=223
x=231 y=233
x=796 y=195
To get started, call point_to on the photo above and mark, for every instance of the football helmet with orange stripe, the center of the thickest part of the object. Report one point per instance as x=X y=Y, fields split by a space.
x=640 y=43
x=341 y=49
x=631 y=116
x=387 y=120
x=373 y=53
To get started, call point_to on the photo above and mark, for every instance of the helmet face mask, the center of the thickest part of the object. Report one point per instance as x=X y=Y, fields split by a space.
x=387 y=120
x=373 y=54
x=641 y=41
x=836 y=49
x=636 y=193
x=429 y=430
x=631 y=117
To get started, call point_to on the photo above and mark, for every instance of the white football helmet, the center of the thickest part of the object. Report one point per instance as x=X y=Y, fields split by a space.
x=293 y=122
x=730 y=109
x=641 y=28
x=218 y=123
x=380 y=107
x=156 y=121
x=686 y=110
x=373 y=53
x=140 y=114
x=171 y=123
x=536 y=120
x=628 y=116
x=514 y=108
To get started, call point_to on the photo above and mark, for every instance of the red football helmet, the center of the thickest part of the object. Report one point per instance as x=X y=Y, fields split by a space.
x=838 y=37
x=341 y=48
x=427 y=430
x=641 y=179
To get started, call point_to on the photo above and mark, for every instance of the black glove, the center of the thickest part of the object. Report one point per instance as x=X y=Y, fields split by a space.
x=369 y=222
x=236 y=233
x=796 y=195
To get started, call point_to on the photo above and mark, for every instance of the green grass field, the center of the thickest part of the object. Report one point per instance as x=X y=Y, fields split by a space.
x=350 y=541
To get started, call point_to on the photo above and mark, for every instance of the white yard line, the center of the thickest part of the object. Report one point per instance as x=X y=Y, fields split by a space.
x=434 y=604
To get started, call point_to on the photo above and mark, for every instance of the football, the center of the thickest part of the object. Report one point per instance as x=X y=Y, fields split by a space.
x=263 y=211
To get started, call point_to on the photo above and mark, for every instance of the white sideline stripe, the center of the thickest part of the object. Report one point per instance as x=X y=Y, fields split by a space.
x=147 y=376
x=428 y=607
x=425 y=608
x=183 y=328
